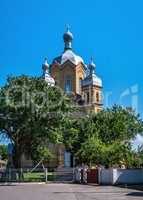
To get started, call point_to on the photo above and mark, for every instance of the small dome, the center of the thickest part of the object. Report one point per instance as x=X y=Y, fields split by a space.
x=96 y=81
x=92 y=80
x=49 y=79
x=46 y=75
x=68 y=36
x=45 y=65
x=92 y=66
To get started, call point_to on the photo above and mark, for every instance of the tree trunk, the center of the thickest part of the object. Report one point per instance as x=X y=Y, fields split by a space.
x=17 y=157
x=17 y=162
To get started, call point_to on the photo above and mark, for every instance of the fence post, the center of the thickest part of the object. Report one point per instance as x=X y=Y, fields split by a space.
x=21 y=174
x=73 y=177
x=99 y=175
x=9 y=174
x=46 y=175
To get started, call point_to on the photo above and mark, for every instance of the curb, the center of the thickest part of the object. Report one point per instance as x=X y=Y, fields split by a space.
x=22 y=183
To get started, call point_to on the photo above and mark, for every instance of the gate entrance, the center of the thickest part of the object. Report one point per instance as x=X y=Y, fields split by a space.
x=92 y=176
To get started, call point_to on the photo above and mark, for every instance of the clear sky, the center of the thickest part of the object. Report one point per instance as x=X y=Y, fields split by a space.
x=109 y=30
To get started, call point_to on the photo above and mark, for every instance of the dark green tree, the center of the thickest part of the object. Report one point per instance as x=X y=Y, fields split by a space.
x=42 y=154
x=3 y=152
x=31 y=112
x=117 y=124
x=105 y=137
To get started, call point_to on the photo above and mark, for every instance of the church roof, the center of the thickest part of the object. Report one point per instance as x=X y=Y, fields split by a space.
x=68 y=55
x=92 y=79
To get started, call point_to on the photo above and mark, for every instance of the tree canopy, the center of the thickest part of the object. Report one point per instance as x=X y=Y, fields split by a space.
x=104 y=138
x=31 y=112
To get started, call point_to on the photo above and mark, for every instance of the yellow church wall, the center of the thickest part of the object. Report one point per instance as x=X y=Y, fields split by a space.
x=60 y=72
x=68 y=69
x=79 y=75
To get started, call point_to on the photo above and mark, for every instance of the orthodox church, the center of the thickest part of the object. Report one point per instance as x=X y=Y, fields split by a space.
x=77 y=79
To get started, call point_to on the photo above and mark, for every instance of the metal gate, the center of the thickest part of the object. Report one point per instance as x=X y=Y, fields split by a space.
x=86 y=175
x=92 y=176
x=63 y=174
x=38 y=175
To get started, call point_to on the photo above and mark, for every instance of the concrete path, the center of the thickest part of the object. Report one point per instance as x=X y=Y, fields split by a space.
x=67 y=192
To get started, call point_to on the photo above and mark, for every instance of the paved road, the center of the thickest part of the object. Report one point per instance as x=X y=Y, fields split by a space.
x=67 y=192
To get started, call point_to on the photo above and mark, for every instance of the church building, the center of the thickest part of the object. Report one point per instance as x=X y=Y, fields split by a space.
x=77 y=79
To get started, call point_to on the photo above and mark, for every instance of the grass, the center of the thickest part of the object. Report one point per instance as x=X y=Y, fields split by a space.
x=37 y=177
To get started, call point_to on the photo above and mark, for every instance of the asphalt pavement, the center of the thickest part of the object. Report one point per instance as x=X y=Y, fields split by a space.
x=57 y=191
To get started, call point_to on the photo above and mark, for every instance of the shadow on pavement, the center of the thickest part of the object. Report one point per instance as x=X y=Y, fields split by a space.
x=133 y=187
x=135 y=194
x=4 y=185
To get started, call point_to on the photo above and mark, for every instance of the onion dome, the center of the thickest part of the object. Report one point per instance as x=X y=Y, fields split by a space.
x=92 y=67
x=92 y=78
x=68 y=38
x=46 y=75
x=45 y=65
x=68 y=53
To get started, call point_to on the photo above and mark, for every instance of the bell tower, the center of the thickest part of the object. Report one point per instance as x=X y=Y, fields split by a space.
x=92 y=90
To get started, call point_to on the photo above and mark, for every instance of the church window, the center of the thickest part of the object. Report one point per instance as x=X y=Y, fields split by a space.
x=68 y=84
x=87 y=97
x=80 y=85
x=97 y=96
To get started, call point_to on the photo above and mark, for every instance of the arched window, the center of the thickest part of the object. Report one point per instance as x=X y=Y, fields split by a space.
x=68 y=84
x=80 y=85
x=87 y=97
x=97 y=96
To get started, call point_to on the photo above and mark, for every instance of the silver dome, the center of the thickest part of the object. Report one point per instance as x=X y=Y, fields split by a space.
x=68 y=55
x=68 y=36
x=92 y=79
x=46 y=75
x=49 y=79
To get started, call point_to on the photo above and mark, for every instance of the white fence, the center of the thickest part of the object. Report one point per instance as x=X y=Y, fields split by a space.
x=120 y=176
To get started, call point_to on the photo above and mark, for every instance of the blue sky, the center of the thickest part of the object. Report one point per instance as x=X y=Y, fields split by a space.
x=109 y=30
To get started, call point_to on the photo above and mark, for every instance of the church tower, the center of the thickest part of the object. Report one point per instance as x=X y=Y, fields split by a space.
x=68 y=69
x=80 y=82
x=92 y=90
x=76 y=78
